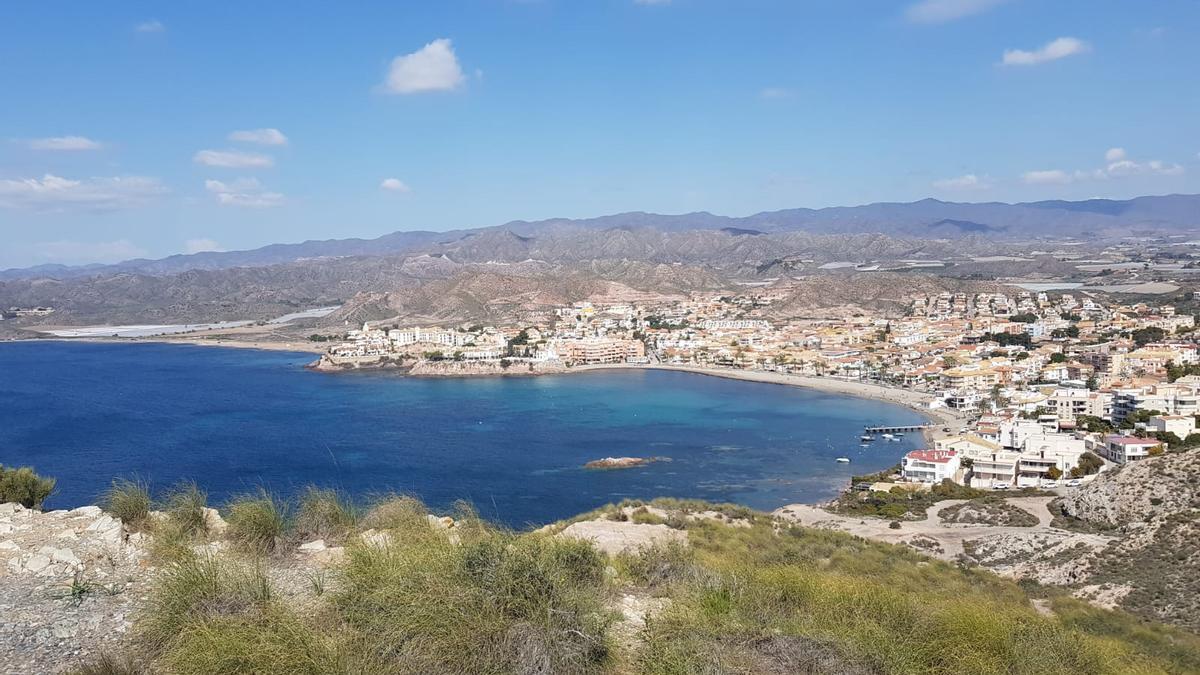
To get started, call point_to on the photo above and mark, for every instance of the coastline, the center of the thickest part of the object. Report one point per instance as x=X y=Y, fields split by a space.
x=264 y=345
x=916 y=401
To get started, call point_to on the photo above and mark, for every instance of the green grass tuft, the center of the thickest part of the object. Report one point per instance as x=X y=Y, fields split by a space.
x=186 y=505
x=257 y=522
x=129 y=501
x=324 y=514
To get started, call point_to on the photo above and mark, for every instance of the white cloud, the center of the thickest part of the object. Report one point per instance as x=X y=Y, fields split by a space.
x=940 y=11
x=232 y=159
x=65 y=143
x=433 y=67
x=151 y=26
x=259 y=136
x=965 y=182
x=246 y=192
x=1118 y=165
x=395 y=185
x=1052 y=51
x=55 y=193
x=776 y=93
x=1128 y=167
x=1047 y=177
x=201 y=245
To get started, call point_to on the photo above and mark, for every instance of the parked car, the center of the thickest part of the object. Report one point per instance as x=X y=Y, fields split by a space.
x=1074 y=482
x=1000 y=486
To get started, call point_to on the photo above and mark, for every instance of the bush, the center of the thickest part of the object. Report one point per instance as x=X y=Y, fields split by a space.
x=256 y=522
x=895 y=525
x=129 y=501
x=24 y=487
x=324 y=514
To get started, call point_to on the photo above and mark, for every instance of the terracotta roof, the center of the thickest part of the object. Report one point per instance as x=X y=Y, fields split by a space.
x=938 y=456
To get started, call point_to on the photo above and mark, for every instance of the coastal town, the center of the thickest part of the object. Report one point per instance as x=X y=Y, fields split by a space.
x=1024 y=390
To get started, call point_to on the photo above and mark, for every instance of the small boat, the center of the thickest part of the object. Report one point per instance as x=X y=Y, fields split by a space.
x=867 y=438
x=887 y=436
x=843 y=460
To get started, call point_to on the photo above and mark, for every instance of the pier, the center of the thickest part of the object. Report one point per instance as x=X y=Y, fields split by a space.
x=899 y=429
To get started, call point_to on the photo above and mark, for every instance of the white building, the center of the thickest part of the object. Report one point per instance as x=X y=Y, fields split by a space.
x=930 y=466
x=1123 y=449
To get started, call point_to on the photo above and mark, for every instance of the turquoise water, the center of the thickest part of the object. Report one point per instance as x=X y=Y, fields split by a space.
x=233 y=420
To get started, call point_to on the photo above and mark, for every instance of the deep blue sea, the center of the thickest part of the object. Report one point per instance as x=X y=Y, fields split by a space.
x=236 y=419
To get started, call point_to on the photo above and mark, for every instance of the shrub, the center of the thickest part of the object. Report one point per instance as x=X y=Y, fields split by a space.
x=324 y=514
x=129 y=501
x=24 y=487
x=659 y=565
x=895 y=525
x=256 y=522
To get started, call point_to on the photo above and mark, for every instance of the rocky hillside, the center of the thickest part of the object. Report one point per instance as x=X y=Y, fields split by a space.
x=1152 y=508
x=1139 y=493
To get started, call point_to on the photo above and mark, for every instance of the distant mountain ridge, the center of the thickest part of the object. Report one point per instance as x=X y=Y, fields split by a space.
x=1094 y=219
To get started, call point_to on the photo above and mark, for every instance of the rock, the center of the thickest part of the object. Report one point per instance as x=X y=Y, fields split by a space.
x=9 y=546
x=313 y=546
x=618 y=463
x=9 y=508
x=215 y=523
x=614 y=537
x=86 y=511
x=63 y=555
x=37 y=562
x=376 y=538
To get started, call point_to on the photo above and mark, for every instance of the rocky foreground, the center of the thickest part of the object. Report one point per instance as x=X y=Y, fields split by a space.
x=70 y=583
x=73 y=584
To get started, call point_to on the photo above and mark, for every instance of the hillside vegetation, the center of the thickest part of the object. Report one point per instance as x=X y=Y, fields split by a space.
x=732 y=591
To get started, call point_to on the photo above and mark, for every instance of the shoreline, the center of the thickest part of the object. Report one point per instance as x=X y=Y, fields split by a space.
x=915 y=401
x=263 y=345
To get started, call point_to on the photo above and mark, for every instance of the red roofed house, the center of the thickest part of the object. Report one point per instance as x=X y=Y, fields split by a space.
x=929 y=466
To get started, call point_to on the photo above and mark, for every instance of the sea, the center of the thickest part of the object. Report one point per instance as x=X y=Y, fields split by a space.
x=237 y=420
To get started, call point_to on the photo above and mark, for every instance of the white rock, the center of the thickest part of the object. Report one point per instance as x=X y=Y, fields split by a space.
x=376 y=538
x=313 y=546
x=6 y=528
x=9 y=545
x=63 y=555
x=9 y=508
x=37 y=562
x=88 y=511
x=66 y=534
x=216 y=524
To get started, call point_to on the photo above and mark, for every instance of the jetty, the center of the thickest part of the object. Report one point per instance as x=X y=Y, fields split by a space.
x=897 y=429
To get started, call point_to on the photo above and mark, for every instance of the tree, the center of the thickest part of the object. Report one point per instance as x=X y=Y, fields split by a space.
x=1144 y=336
x=1054 y=473
x=1058 y=357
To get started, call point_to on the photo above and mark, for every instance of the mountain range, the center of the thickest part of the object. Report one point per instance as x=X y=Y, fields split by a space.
x=657 y=237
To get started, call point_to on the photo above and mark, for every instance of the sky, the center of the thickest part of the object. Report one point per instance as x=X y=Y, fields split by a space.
x=145 y=129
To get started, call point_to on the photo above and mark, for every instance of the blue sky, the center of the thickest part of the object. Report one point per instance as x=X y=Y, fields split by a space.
x=145 y=129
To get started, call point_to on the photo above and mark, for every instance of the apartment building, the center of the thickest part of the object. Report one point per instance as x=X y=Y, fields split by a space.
x=590 y=351
x=1124 y=449
x=930 y=466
